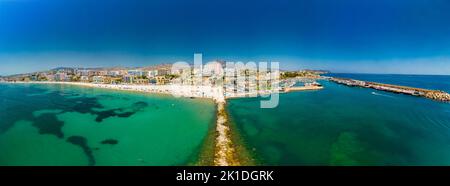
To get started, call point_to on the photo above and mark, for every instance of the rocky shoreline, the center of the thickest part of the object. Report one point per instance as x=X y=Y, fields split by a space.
x=437 y=95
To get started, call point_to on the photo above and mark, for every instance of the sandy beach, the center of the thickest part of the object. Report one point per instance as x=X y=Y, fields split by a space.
x=215 y=93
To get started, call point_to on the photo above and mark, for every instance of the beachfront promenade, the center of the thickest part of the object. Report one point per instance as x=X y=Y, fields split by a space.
x=217 y=93
x=190 y=91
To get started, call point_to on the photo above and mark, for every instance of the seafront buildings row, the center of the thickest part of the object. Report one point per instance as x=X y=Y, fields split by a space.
x=235 y=82
x=243 y=82
x=99 y=76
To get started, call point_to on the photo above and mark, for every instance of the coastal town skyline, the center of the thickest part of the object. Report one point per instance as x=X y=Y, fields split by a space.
x=38 y=63
x=380 y=37
x=237 y=90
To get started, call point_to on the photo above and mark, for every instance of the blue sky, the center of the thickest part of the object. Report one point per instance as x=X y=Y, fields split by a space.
x=383 y=36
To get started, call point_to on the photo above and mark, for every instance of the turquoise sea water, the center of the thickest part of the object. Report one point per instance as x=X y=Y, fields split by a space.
x=71 y=125
x=343 y=125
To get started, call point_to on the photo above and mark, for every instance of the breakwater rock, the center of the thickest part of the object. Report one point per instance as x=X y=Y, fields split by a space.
x=430 y=94
x=225 y=152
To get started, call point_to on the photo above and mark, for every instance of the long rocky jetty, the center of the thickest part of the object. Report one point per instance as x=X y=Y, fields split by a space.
x=437 y=95
x=224 y=149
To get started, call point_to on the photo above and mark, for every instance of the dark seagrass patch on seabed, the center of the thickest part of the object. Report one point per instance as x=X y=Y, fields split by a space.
x=82 y=142
x=110 y=141
x=88 y=105
x=48 y=124
x=120 y=112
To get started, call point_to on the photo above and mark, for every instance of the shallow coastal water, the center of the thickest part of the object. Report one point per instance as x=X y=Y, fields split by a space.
x=342 y=125
x=72 y=125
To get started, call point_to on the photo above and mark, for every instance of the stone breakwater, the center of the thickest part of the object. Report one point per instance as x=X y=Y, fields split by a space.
x=430 y=94
x=224 y=150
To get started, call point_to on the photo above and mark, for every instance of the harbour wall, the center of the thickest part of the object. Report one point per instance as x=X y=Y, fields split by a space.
x=437 y=95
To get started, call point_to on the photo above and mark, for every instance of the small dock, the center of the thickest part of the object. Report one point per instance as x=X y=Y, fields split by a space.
x=307 y=86
x=302 y=88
